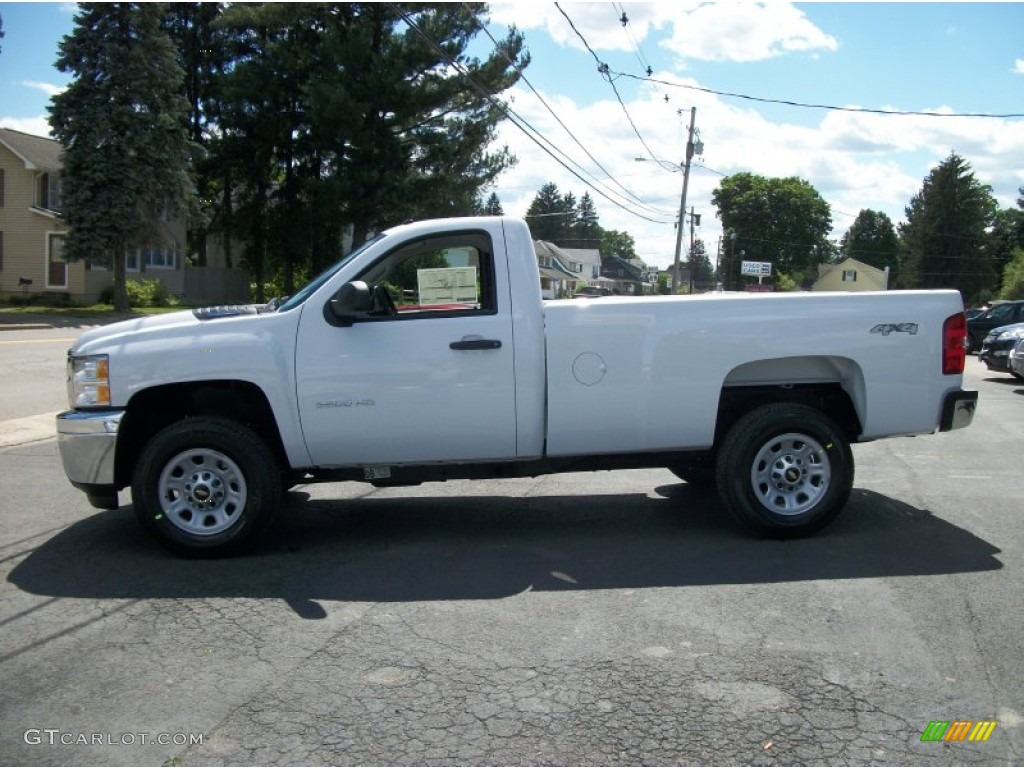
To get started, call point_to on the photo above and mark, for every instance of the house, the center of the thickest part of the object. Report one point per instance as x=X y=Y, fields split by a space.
x=851 y=275
x=628 y=278
x=559 y=273
x=32 y=238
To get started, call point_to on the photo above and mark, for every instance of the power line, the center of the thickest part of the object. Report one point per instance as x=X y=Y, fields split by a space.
x=645 y=64
x=606 y=72
x=831 y=107
x=554 y=114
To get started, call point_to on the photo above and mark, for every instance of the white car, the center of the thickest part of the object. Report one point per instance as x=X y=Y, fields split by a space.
x=1016 y=361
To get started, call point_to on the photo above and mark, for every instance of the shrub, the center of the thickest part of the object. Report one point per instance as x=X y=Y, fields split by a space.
x=142 y=293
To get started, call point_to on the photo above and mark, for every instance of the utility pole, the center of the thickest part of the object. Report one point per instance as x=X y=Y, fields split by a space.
x=694 y=220
x=682 y=201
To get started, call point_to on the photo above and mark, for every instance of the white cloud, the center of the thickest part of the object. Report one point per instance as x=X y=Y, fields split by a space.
x=37 y=126
x=709 y=31
x=742 y=31
x=1018 y=67
x=48 y=88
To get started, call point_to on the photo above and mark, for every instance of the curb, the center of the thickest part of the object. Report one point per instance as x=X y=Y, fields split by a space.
x=25 y=327
x=29 y=429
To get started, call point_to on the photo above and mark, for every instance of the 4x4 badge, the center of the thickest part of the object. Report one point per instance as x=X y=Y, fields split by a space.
x=886 y=328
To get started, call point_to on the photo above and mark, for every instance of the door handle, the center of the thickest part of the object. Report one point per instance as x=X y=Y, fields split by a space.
x=475 y=343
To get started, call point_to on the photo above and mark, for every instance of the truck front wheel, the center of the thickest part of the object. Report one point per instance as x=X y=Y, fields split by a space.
x=785 y=470
x=206 y=487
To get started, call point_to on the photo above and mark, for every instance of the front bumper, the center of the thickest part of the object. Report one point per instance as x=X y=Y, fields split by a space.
x=87 y=440
x=958 y=409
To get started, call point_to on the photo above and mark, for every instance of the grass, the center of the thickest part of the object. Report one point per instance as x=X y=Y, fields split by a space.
x=95 y=310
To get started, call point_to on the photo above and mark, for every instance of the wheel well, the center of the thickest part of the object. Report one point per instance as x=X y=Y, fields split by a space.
x=152 y=409
x=829 y=398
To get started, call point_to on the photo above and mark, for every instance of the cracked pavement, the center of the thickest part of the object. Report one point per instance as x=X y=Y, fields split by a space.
x=586 y=619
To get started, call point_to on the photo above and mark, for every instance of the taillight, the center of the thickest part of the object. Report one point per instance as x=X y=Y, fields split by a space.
x=954 y=350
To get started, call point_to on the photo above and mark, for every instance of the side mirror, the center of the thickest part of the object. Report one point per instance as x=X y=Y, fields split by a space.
x=352 y=301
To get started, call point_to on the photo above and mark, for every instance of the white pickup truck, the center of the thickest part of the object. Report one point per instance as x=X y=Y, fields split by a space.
x=427 y=354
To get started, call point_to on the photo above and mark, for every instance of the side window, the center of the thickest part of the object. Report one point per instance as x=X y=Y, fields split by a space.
x=453 y=274
x=1001 y=313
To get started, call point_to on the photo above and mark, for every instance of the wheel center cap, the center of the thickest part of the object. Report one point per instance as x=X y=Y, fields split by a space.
x=792 y=475
x=201 y=493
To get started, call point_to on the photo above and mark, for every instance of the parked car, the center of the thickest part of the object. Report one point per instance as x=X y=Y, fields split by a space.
x=1001 y=314
x=1017 y=359
x=997 y=345
x=592 y=292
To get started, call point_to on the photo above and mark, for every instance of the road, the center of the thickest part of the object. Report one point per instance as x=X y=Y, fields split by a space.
x=596 y=618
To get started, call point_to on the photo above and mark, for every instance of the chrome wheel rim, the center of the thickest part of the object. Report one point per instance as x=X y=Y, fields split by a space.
x=202 y=492
x=790 y=474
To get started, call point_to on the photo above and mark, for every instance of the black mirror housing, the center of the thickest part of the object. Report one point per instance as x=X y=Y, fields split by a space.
x=352 y=301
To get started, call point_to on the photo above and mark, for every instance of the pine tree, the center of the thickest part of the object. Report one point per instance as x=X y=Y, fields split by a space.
x=944 y=236
x=546 y=214
x=122 y=123
x=587 y=232
x=493 y=206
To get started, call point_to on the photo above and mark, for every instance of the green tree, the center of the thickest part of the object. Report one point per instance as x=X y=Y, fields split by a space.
x=945 y=232
x=700 y=265
x=493 y=206
x=872 y=239
x=406 y=110
x=203 y=54
x=782 y=221
x=546 y=214
x=122 y=123
x=1006 y=235
x=616 y=243
x=586 y=229
x=1013 y=277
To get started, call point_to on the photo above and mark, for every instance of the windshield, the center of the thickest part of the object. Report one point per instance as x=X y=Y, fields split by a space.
x=314 y=284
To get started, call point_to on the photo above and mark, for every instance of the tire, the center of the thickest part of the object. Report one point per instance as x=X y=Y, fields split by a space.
x=785 y=470
x=206 y=487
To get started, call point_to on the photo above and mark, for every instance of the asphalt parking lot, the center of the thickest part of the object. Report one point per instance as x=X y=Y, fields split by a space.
x=602 y=618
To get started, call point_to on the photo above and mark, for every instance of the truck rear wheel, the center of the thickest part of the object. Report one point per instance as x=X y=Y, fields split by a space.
x=206 y=487
x=785 y=470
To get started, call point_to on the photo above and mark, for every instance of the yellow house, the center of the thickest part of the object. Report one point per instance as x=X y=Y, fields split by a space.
x=32 y=234
x=851 y=275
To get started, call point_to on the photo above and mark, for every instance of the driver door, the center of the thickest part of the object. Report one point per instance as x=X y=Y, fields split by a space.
x=427 y=375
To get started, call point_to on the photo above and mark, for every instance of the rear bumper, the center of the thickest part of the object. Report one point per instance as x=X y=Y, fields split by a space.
x=87 y=440
x=958 y=409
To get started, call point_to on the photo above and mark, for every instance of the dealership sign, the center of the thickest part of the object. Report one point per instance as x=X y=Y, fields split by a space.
x=756 y=268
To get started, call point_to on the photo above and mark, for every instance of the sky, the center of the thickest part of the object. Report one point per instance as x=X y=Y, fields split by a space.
x=950 y=58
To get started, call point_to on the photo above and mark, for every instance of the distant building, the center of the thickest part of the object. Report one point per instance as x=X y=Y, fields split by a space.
x=851 y=275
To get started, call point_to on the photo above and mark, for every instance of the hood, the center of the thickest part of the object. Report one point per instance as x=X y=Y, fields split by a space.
x=172 y=324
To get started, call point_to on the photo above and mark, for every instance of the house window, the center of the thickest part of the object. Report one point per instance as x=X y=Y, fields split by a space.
x=56 y=267
x=849 y=275
x=49 y=192
x=147 y=256
x=1 y=187
x=159 y=258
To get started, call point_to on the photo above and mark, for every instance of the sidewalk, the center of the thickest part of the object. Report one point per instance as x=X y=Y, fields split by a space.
x=28 y=429
x=14 y=321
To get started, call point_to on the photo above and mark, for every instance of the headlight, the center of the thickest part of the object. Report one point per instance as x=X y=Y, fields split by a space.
x=1007 y=335
x=88 y=381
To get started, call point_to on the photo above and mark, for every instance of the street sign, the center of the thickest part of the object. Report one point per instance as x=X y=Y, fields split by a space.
x=756 y=268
